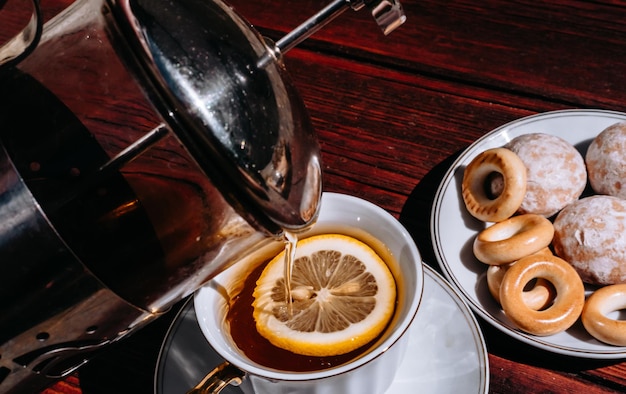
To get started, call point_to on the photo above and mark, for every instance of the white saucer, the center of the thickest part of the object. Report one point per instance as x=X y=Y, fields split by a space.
x=446 y=351
x=454 y=229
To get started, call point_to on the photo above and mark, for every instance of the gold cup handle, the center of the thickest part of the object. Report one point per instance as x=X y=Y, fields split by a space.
x=220 y=377
x=25 y=41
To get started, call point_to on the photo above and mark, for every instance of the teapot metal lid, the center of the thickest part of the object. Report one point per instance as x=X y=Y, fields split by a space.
x=227 y=97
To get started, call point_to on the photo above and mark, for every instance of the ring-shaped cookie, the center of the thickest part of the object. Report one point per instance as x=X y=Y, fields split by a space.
x=594 y=317
x=567 y=305
x=513 y=238
x=539 y=296
x=474 y=187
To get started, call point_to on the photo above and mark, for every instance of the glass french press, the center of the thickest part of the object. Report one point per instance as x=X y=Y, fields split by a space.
x=145 y=146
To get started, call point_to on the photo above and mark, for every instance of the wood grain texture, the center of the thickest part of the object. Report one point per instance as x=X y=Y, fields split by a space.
x=393 y=112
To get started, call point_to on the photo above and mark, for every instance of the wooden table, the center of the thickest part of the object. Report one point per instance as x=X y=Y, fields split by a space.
x=393 y=112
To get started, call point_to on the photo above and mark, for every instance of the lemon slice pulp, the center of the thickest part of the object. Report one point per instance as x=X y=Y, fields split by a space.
x=343 y=297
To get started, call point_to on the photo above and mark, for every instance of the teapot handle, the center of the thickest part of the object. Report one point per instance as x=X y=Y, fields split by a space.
x=20 y=46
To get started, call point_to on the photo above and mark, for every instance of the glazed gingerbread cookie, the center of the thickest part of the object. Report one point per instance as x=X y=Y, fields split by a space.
x=556 y=172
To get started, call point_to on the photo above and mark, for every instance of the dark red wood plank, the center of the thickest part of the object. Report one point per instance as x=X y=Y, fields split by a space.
x=385 y=130
x=567 y=51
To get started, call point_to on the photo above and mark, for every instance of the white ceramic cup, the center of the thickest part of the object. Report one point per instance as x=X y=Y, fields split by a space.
x=374 y=370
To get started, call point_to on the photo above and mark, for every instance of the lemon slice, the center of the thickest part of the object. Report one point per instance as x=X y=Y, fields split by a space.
x=343 y=297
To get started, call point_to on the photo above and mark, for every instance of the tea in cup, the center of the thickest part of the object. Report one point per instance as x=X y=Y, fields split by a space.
x=225 y=314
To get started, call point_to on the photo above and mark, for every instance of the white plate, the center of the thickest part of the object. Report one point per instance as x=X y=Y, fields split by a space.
x=454 y=229
x=446 y=353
